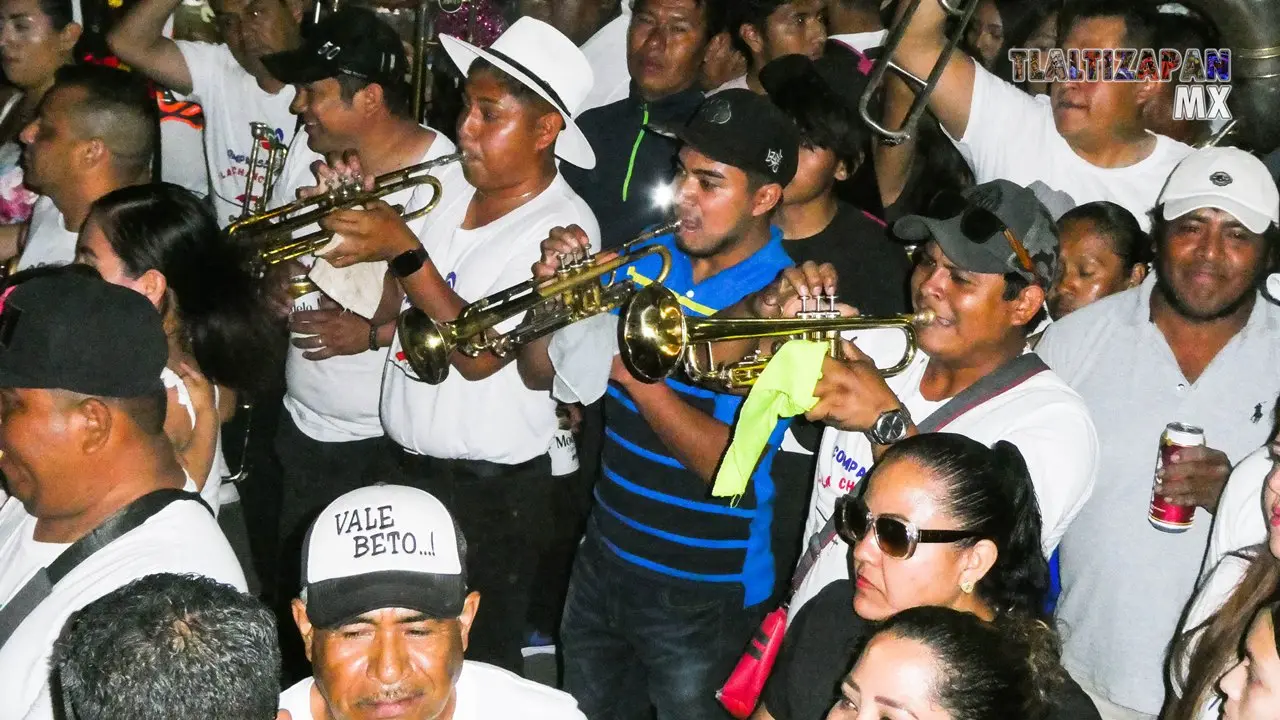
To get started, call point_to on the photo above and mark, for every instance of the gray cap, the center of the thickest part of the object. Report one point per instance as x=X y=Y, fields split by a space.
x=969 y=229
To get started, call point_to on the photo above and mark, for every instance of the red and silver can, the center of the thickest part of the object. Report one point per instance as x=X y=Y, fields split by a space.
x=1164 y=515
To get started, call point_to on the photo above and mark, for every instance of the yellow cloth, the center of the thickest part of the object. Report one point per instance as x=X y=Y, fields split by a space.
x=784 y=389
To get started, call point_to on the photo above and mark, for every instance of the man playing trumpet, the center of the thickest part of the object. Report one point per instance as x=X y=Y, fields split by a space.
x=986 y=259
x=350 y=93
x=669 y=582
x=479 y=439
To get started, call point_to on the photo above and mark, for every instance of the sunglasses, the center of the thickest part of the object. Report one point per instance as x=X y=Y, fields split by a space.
x=896 y=536
x=979 y=225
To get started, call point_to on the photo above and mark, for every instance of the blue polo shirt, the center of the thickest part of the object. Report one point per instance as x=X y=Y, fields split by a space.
x=653 y=513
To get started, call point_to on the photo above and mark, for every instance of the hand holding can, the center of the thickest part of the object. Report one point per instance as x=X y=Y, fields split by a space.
x=1163 y=514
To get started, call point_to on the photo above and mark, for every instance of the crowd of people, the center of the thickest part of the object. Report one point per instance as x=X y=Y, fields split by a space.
x=265 y=456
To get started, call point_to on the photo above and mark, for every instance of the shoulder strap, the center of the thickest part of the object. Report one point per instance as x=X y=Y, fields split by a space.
x=1006 y=377
x=113 y=528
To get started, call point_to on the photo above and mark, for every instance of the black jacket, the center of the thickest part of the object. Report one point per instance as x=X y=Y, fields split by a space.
x=630 y=161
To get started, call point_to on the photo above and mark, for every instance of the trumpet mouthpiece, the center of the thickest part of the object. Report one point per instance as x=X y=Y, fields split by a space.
x=924 y=317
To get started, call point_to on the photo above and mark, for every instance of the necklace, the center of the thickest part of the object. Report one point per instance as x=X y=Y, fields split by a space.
x=485 y=195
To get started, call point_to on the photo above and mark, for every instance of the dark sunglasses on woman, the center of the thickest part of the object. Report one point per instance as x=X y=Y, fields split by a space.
x=896 y=536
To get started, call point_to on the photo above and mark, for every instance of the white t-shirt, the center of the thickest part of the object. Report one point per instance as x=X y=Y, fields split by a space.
x=496 y=419
x=1239 y=521
x=182 y=160
x=738 y=83
x=1221 y=581
x=336 y=399
x=182 y=538
x=49 y=242
x=1043 y=417
x=606 y=52
x=1012 y=135
x=232 y=99
x=483 y=692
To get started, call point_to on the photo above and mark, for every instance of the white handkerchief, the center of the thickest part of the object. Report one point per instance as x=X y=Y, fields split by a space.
x=582 y=355
x=357 y=288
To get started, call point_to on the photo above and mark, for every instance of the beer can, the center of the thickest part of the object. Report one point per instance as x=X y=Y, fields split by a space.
x=1164 y=515
x=564 y=449
x=305 y=294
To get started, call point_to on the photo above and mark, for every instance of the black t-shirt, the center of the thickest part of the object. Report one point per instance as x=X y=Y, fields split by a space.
x=872 y=269
x=820 y=647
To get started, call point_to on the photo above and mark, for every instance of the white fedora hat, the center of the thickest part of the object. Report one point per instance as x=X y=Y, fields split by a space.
x=547 y=62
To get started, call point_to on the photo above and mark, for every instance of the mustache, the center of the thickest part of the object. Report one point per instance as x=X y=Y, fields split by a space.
x=390 y=695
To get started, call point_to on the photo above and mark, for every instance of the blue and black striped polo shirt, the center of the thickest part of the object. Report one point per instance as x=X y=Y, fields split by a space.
x=653 y=513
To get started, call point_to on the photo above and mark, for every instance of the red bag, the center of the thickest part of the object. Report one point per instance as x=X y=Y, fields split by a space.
x=741 y=692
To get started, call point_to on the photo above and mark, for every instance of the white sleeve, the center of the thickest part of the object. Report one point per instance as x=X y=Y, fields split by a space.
x=527 y=250
x=1239 y=521
x=1008 y=131
x=1060 y=444
x=204 y=63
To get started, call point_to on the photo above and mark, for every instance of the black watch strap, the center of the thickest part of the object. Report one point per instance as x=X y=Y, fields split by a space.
x=409 y=262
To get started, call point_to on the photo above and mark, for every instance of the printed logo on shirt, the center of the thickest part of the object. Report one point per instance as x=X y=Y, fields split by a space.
x=854 y=471
x=451 y=279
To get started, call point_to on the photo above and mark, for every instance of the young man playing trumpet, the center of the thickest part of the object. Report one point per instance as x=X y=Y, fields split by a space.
x=479 y=439
x=986 y=259
x=349 y=91
x=670 y=582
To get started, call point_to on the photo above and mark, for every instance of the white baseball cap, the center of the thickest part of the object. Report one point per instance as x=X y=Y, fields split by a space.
x=542 y=59
x=383 y=546
x=1224 y=178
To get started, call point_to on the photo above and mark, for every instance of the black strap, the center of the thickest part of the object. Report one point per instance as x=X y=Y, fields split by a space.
x=543 y=84
x=1006 y=377
x=113 y=528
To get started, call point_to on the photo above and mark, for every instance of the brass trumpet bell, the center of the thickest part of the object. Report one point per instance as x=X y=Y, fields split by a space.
x=656 y=338
x=575 y=294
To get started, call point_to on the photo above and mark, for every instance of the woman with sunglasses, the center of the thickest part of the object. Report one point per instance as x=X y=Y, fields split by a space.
x=945 y=521
x=1252 y=685
x=933 y=663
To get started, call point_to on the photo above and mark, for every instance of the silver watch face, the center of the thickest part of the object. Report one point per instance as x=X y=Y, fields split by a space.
x=890 y=427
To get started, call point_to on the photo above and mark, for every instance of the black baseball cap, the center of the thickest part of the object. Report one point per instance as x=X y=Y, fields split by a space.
x=969 y=229
x=740 y=128
x=69 y=330
x=352 y=41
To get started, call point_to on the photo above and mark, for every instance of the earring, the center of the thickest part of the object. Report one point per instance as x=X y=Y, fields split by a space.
x=966 y=587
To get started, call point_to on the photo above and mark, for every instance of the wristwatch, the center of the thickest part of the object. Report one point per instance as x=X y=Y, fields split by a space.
x=890 y=427
x=409 y=262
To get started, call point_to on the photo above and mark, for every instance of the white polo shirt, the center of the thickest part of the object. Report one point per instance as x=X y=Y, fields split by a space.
x=336 y=399
x=49 y=242
x=1044 y=418
x=1011 y=135
x=1125 y=583
x=496 y=419
x=483 y=692
x=232 y=99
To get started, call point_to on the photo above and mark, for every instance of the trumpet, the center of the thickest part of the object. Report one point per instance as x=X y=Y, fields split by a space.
x=576 y=293
x=656 y=338
x=272 y=232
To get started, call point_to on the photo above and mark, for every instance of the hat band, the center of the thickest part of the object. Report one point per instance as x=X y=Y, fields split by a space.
x=555 y=97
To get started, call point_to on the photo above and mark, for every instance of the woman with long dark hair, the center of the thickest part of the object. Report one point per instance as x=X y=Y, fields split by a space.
x=935 y=663
x=162 y=241
x=946 y=522
x=1235 y=588
x=1252 y=685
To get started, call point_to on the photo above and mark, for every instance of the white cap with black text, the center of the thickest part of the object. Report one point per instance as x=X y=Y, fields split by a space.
x=383 y=546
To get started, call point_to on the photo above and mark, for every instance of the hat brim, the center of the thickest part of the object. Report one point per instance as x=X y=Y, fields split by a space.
x=297 y=67
x=959 y=249
x=1256 y=222
x=332 y=603
x=572 y=146
x=706 y=142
